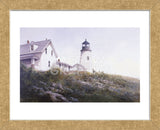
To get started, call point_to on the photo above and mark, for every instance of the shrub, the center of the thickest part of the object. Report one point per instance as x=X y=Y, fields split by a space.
x=73 y=87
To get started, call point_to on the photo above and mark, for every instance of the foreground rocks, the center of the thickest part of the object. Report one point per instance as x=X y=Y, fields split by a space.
x=82 y=87
x=55 y=97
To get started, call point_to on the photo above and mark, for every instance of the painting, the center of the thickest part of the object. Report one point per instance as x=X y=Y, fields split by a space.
x=80 y=65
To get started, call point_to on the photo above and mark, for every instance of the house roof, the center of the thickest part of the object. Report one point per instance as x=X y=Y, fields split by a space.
x=63 y=64
x=25 y=52
x=25 y=48
x=30 y=56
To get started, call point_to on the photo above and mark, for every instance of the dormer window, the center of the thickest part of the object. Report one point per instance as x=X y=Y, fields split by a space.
x=52 y=53
x=33 y=47
x=46 y=50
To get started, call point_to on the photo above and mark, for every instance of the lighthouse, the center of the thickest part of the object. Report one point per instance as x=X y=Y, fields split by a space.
x=85 y=57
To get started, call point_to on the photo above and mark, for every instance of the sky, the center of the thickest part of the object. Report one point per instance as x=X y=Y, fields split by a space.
x=114 y=50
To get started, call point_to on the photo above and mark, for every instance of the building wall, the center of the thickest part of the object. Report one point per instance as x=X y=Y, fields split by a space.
x=26 y=62
x=86 y=60
x=45 y=58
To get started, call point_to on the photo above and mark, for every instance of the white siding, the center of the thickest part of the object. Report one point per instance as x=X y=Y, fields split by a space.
x=45 y=58
x=87 y=63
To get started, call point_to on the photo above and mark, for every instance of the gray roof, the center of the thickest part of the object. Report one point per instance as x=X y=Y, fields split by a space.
x=25 y=52
x=30 y=56
x=63 y=64
x=25 y=48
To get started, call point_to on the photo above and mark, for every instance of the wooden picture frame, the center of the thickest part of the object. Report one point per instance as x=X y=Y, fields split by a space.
x=152 y=5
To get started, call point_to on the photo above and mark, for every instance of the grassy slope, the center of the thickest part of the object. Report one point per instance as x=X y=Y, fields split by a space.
x=77 y=87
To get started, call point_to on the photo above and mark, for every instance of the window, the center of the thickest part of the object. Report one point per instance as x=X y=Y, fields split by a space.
x=46 y=50
x=32 y=47
x=87 y=57
x=52 y=53
x=48 y=63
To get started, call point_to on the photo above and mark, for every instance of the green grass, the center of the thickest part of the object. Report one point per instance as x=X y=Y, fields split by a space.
x=77 y=87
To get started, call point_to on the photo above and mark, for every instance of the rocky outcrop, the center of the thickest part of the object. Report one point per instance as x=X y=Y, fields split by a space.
x=56 y=97
x=81 y=87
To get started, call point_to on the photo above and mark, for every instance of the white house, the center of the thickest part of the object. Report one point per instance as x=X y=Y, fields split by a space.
x=39 y=55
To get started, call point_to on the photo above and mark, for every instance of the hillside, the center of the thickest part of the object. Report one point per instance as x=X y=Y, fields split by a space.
x=76 y=87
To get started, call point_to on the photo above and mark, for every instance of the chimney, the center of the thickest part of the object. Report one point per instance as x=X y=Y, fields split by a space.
x=27 y=41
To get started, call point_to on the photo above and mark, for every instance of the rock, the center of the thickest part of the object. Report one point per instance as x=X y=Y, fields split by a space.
x=52 y=89
x=83 y=82
x=38 y=88
x=60 y=86
x=99 y=85
x=72 y=99
x=56 y=97
x=53 y=84
x=41 y=82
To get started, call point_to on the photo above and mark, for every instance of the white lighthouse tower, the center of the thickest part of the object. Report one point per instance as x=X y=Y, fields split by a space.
x=85 y=58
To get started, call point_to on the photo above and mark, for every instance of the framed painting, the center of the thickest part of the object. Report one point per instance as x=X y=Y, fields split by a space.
x=79 y=65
